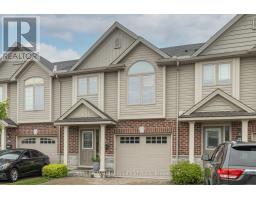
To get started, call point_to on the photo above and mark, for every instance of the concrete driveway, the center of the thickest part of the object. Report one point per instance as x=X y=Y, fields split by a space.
x=106 y=181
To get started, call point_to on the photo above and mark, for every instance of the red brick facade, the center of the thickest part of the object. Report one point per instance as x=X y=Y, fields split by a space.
x=156 y=126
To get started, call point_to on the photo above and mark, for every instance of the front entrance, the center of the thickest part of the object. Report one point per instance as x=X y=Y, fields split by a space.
x=88 y=146
x=215 y=135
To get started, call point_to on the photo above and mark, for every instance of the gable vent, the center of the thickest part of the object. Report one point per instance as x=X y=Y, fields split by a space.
x=117 y=44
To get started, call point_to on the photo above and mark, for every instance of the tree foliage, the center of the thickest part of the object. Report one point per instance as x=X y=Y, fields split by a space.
x=3 y=110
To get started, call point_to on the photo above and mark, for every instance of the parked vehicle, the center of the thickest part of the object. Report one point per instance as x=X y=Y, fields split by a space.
x=231 y=163
x=18 y=163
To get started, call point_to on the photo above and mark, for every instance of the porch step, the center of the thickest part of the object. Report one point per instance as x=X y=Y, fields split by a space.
x=80 y=173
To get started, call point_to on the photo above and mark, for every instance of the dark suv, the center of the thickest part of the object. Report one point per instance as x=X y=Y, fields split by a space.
x=231 y=163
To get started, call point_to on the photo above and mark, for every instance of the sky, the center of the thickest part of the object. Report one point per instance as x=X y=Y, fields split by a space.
x=67 y=37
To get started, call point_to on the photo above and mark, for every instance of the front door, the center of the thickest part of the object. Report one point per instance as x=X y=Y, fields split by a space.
x=212 y=138
x=87 y=147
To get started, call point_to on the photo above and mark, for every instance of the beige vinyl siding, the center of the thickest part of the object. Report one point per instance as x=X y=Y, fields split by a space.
x=12 y=99
x=110 y=94
x=34 y=70
x=171 y=92
x=206 y=90
x=92 y=98
x=186 y=87
x=238 y=37
x=7 y=69
x=248 y=81
x=105 y=52
x=218 y=103
x=66 y=94
x=141 y=111
x=82 y=111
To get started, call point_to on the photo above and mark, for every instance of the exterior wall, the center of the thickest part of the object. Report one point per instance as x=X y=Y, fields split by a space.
x=248 y=81
x=110 y=94
x=141 y=111
x=12 y=98
x=34 y=116
x=105 y=54
x=239 y=37
x=209 y=89
x=7 y=69
x=61 y=87
x=82 y=111
x=43 y=129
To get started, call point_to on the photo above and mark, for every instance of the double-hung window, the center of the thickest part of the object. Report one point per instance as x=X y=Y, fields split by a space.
x=87 y=85
x=34 y=94
x=141 y=84
x=216 y=74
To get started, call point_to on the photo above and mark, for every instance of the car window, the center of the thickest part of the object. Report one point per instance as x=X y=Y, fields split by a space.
x=219 y=155
x=215 y=152
x=26 y=155
x=243 y=156
x=13 y=155
x=35 y=154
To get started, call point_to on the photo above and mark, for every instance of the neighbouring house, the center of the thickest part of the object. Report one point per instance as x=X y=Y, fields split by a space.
x=139 y=107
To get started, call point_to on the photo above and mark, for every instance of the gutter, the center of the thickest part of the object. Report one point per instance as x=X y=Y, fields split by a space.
x=192 y=59
x=91 y=70
x=177 y=111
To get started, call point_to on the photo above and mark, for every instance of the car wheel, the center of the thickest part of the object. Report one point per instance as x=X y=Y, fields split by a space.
x=13 y=175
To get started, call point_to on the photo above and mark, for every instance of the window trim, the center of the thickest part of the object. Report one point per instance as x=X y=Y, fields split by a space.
x=253 y=137
x=217 y=81
x=28 y=140
x=141 y=79
x=87 y=77
x=2 y=90
x=85 y=132
x=34 y=97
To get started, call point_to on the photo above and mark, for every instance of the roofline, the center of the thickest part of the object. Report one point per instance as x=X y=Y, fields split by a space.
x=91 y=70
x=173 y=60
x=216 y=118
x=218 y=34
x=101 y=39
x=134 y=44
x=83 y=123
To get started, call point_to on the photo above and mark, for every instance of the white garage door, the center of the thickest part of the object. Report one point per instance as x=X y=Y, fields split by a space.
x=143 y=156
x=47 y=145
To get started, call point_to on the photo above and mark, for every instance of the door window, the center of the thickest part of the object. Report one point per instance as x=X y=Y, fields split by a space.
x=87 y=138
x=26 y=155
x=212 y=139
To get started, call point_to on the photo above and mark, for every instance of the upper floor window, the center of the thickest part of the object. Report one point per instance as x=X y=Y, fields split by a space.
x=1 y=94
x=87 y=85
x=34 y=94
x=216 y=74
x=141 y=84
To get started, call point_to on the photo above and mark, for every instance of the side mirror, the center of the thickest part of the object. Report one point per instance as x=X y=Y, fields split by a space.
x=206 y=157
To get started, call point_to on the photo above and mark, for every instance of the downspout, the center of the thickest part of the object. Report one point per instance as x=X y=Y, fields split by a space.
x=177 y=111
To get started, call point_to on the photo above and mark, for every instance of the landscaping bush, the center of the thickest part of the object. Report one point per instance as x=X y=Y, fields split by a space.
x=185 y=173
x=55 y=171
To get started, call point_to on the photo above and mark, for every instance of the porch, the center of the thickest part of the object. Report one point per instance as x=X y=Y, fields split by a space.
x=83 y=127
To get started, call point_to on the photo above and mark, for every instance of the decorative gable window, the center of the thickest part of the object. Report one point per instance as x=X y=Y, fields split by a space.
x=87 y=85
x=117 y=44
x=216 y=74
x=141 y=84
x=34 y=94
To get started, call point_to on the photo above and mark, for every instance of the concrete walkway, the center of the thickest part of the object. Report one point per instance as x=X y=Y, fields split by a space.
x=106 y=181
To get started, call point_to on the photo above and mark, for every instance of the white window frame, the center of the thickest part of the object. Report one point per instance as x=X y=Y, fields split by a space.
x=33 y=86
x=87 y=79
x=2 y=93
x=141 y=79
x=230 y=136
x=254 y=137
x=216 y=80
x=206 y=137
x=86 y=132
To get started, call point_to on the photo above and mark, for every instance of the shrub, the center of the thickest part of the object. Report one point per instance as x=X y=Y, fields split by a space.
x=55 y=171
x=185 y=173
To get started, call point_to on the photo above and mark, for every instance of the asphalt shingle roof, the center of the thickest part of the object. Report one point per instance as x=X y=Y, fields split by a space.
x=218 y=114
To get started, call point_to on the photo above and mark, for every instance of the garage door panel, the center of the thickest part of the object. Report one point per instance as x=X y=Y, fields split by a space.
x=46 y=145
x=143 y=159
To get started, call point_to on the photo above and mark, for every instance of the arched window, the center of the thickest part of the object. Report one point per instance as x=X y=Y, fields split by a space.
x=34 y=94
x=141 y=83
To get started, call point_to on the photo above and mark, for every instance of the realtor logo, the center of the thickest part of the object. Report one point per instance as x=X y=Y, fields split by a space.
x=20 y=34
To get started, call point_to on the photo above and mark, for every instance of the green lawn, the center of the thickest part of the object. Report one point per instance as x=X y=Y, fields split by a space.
x=31 y=181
